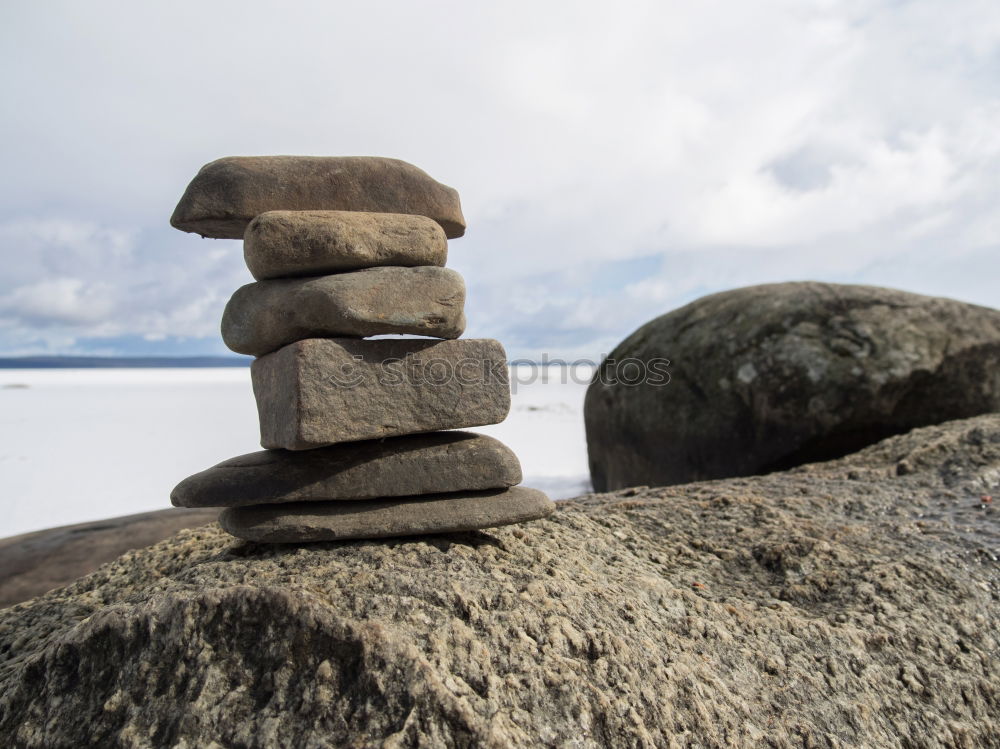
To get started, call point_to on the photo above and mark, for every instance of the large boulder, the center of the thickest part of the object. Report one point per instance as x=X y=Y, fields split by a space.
x=768 y=377
x=843 y=604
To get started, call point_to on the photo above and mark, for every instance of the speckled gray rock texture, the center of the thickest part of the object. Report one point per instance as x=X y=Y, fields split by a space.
x=286 y=244
x=768 y=377
x=393 y=467
x=323 y=391
x=262 y=317
x=839 y=605
x=227 y=193
x=302 y=522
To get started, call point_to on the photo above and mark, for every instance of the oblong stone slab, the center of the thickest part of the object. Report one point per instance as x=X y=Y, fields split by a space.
x=394 y=467
x=322 y=391
x=227 y=193
x=264 y=316
x=287 y=244
x=384 y=518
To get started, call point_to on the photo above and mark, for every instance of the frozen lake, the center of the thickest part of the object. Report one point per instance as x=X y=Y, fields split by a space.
x=85 y=444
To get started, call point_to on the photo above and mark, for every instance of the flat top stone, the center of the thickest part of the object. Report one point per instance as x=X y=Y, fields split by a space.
x=264 y=316
x=386 y=518
x=227 y=193
x=286 y=244
x=393 y=467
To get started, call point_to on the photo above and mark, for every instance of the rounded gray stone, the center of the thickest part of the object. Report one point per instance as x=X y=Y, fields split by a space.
x=262 y=317
x=385 y=518
x=768 y=377
x=227 y=193
x=288 y=244
x=398 y=466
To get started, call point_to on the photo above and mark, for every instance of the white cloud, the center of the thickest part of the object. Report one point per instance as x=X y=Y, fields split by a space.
x=59 y=300
x=67 y=279
x=850 y=140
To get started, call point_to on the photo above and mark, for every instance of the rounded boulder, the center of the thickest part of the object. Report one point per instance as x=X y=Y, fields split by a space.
x=768 y=377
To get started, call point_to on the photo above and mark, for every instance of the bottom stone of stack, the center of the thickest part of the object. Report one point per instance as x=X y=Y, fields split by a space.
x=296 y=522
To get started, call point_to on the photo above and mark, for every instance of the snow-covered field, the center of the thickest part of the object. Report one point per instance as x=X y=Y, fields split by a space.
x=85 y=444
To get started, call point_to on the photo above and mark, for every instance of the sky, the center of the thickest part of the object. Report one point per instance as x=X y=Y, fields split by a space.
x=615 y=161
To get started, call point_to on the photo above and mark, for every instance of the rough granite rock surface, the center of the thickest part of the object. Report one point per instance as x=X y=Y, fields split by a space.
x=286 y=244
x=393 y=467
x=845 y=604
x=390 y=387
x=227 y=193
x=262 y=317
x=768 y=377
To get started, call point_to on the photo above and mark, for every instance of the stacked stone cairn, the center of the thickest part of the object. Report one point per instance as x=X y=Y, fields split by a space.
x=343 y=249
